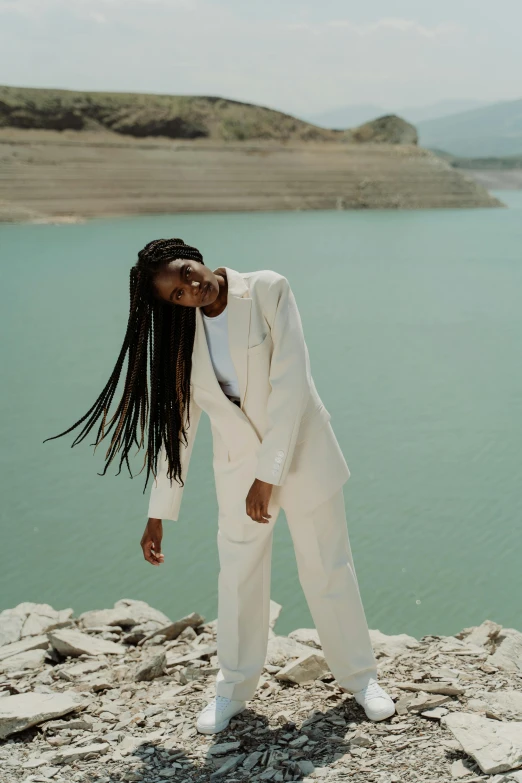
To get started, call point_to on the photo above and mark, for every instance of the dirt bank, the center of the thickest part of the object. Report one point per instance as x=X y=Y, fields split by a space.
x=52 y=175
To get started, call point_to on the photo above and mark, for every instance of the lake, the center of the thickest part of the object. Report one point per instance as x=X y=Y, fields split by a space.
x=413 y=322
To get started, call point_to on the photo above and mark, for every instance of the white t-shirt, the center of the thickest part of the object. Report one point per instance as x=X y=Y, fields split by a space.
x=216 y=329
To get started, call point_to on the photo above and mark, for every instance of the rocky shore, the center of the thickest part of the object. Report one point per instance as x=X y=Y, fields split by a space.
x=112 y=695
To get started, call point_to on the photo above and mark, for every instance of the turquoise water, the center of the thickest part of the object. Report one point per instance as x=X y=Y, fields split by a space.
x=414 y=326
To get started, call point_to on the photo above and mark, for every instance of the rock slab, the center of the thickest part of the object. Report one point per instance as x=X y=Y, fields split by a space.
x=24 y=645
x=494 y=745
x=74 y=643
x=508 y=654
x=23 y=710
x=307 y=668
x=391 y=646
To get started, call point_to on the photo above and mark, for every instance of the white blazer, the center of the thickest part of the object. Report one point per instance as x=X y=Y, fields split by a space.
x=281 y=432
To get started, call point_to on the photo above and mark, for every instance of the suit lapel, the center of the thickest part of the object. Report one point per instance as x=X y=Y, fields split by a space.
x=239 y=304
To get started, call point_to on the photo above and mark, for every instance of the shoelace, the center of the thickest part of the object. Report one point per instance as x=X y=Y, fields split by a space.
x=218 y=704
x=373 y=691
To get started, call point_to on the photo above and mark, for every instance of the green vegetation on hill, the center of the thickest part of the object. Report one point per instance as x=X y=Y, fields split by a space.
x=178 y=117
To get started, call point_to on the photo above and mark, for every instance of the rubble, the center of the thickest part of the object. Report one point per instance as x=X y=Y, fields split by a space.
x=113 y=695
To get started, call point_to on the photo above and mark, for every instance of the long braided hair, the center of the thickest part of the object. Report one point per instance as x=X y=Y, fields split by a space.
x=159 y=341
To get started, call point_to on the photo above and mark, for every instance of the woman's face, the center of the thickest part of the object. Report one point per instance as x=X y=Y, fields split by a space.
x=187 y=283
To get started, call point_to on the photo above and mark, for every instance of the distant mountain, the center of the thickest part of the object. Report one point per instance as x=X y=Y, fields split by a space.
x=432 y=111
x=348 y=116
x=494 y=130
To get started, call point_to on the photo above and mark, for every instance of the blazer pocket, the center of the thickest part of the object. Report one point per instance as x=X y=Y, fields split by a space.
x=265 y=342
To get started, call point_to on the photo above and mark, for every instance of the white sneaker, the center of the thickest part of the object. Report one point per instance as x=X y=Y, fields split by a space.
x=216 y=715
x=376 y=702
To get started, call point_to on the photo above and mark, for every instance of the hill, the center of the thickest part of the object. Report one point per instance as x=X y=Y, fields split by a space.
x=491 y=131
x=346 y=116
x=68 y=155
x=172 y=116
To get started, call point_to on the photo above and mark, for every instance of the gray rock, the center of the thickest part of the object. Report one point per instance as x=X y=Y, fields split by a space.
x=11 y=624
x=299 y=741
x=481 y=635
x=306 y=767
x=251 y=760
x=308 y=636
x=140 y=634
x=495 y=746
x=460 y=770
x=85 y=723
x=308 y=667
x=223 y=748
x=360 y=739
x=68 y=755
x=188 y=635
x=503 y=704
x=391 y=646
x=175 y=660
x=228 y=766
x=31 y=643
x=431 y=687
x=451 y=645
x=435 y=713
x=79 y=670
x=154 y=667
x=44 y=618
x=72 y=642
x=34 y=763
x=23 y=710
x=508 y=654
x=281 y=649
x=172 y=631
x=142 y=612
x=121 y=616
x=30 y=619
x=31 y=659
x=425 y=701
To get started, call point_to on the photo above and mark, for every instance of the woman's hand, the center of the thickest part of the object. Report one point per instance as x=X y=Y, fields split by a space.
x=257 y=501
x=151 y=541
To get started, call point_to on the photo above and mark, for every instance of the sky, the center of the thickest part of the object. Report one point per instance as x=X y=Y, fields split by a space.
x=299 y=56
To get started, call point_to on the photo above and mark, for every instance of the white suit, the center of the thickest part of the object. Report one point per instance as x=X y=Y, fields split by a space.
x=281 y=434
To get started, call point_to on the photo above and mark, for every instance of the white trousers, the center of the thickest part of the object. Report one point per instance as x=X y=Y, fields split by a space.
x=327 y=576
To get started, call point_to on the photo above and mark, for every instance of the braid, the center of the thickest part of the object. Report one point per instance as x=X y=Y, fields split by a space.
x=156 y=393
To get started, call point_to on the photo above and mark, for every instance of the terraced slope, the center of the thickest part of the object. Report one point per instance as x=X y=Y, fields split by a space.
x=48 y=175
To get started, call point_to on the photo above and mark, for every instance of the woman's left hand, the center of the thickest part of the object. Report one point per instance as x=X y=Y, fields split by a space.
x=257 y=501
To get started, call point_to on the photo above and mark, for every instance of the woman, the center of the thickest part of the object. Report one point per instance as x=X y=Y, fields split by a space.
x=231 y=344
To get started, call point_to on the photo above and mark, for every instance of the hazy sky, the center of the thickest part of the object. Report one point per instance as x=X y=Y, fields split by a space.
x=296 y=55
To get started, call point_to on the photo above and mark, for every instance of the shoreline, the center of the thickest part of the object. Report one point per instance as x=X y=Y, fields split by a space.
x=63 y=176
x=112 y=695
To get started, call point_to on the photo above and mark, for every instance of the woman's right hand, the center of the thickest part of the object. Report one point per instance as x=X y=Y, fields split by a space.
x=151 y=541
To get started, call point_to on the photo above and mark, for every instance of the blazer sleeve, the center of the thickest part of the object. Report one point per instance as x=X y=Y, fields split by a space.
x=166 y=494
x=289 y=381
